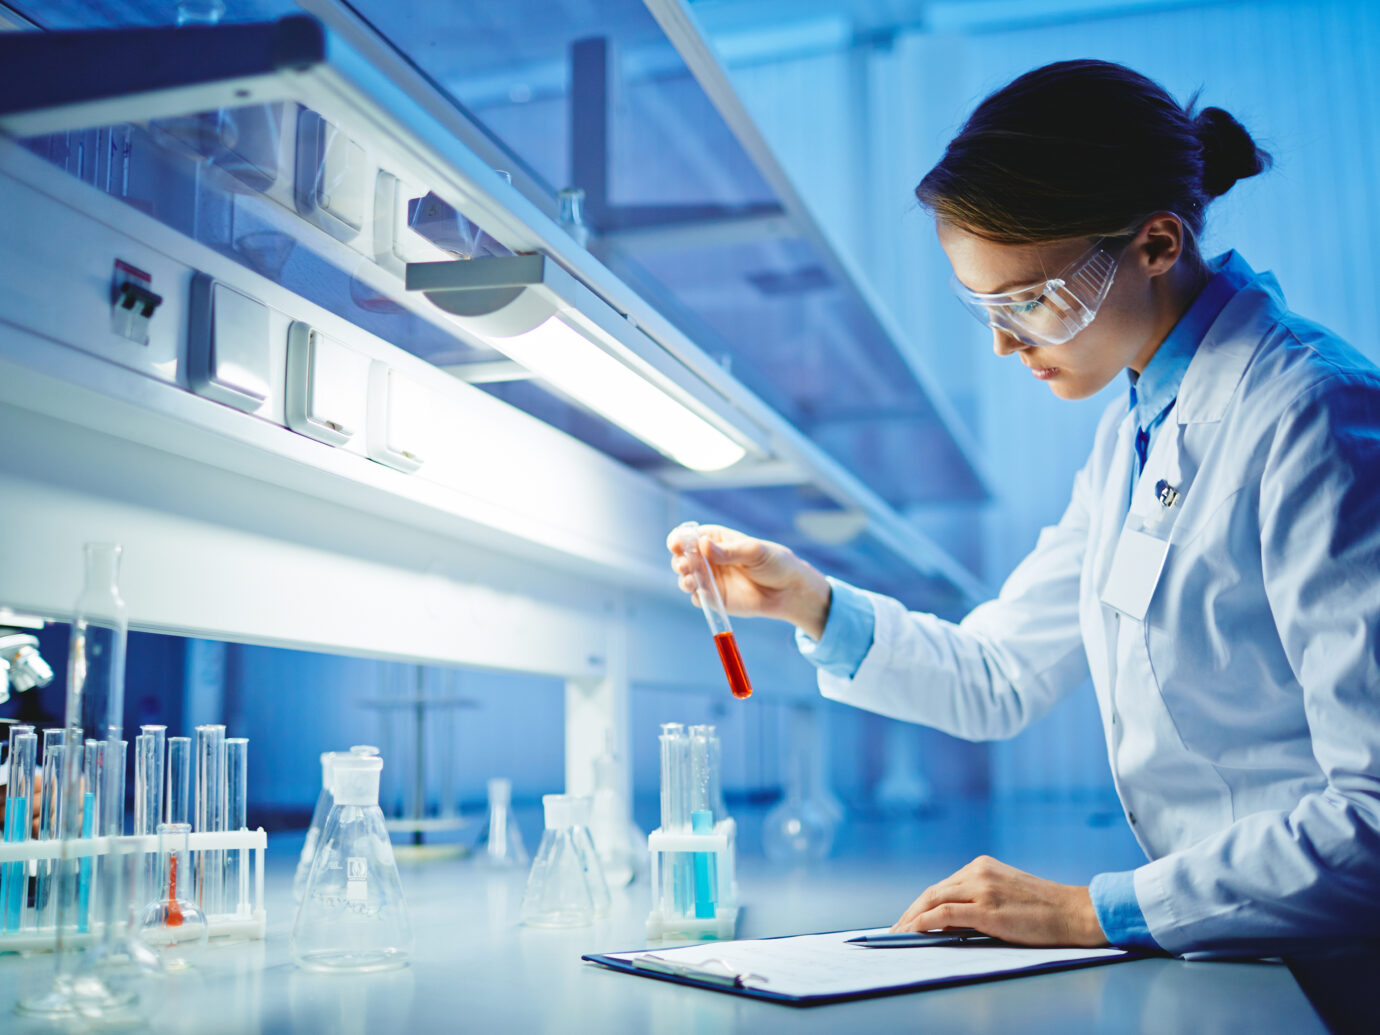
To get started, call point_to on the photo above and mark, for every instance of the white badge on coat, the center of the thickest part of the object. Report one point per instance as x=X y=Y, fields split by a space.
x=1135 y=571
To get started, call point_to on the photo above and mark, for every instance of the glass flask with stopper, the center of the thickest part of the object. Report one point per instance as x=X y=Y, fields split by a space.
x=353 y=917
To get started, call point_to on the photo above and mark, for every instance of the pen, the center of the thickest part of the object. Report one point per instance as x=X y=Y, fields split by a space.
x=916 y=939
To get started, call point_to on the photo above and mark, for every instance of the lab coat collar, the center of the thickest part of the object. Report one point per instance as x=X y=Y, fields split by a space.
x=1230 y=342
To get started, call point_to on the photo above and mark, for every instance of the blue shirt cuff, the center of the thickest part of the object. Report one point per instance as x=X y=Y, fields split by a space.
x=847 y=633
x=1118 y=912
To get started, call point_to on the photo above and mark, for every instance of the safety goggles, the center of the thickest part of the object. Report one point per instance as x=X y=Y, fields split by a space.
x=1048 y=312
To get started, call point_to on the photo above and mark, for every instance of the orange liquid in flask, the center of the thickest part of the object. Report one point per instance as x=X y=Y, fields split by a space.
x=733 y=664
x=174 y=917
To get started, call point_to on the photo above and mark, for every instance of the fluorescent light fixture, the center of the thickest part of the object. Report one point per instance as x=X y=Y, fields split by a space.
x=537 y=314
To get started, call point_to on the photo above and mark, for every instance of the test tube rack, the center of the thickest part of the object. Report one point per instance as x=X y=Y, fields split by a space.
x=674 y=855
x=239 y=926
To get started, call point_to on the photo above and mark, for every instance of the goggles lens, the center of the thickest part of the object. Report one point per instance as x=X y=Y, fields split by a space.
x=1052 y=311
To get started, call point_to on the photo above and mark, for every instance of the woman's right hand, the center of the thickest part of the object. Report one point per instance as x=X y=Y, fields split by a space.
x=758 y=578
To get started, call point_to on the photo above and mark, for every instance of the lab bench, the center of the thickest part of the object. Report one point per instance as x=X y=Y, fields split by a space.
x=475 y=968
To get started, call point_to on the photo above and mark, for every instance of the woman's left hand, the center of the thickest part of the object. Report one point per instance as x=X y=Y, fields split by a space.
x=1009 y=904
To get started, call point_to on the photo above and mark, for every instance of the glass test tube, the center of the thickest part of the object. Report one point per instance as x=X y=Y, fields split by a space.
x=48 y=817
x=113 y=819
x=675 y=815
x=14 y=885
x=209 y=807
x=236 y=818
x=90 y=792
x=712 y=604
x=150 y=747
x=179 y=780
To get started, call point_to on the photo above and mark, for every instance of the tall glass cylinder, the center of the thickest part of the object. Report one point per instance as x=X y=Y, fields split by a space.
x=95 y=705
x=237 y=818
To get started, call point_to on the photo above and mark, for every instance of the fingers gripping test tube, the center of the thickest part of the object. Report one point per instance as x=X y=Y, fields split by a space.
x=712 y=604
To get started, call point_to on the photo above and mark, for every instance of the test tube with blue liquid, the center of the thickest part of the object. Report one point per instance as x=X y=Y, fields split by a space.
x=90 y=790
x=14 y=889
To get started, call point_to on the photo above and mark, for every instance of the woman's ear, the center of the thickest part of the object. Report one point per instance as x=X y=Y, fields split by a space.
x=1160 y=243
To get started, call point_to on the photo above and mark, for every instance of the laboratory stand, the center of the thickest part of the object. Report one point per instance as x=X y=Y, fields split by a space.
x=475 y=968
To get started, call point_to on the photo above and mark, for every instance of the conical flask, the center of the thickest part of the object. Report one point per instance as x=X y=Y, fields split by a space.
x=566 y=887
x=324 y=801
x=353 y=916
x=501 y=844
x=798 y=829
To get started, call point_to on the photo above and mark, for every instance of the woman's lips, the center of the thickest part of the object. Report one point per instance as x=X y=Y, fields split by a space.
x=1044 y=373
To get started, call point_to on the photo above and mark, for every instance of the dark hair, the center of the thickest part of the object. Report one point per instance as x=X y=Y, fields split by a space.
x=1085 y=148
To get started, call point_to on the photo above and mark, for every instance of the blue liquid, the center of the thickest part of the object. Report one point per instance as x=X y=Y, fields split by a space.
x=706 y=866
x=13 y=888
x=88 y=815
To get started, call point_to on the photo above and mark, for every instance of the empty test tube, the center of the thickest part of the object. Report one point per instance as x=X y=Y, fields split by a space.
x=50 y=792
x=675 y=812
x=236 y=818
x=149 y=749
x=179 y=780
x=14 y=885
x=209 y=808
x=113 y=818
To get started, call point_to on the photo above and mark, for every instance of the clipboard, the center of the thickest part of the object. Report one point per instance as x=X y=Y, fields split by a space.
x=719 y=966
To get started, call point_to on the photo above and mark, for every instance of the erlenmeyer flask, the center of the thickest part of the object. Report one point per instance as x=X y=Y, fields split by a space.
x=172 y=925
x=799 y=829
x=566 y=887
x=501 y=842
x=324 y=801
x=353 y=916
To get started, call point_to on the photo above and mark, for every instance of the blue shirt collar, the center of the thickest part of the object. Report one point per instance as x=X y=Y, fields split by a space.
x=1157 y=386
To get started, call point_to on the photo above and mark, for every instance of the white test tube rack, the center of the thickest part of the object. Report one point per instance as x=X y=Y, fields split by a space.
x=666 y=920
x=228 y=926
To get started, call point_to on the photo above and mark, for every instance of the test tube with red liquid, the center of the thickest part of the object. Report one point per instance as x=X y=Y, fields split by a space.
x=712 y=603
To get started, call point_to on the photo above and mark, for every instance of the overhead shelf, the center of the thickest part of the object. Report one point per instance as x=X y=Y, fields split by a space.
x=349 y=98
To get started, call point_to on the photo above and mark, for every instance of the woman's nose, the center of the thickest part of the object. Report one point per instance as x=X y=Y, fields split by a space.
x=1003 y=344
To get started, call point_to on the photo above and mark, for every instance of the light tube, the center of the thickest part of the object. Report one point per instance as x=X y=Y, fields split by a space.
x=560 y=354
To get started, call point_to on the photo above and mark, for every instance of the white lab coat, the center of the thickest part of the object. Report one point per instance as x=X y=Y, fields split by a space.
x=1242 y=715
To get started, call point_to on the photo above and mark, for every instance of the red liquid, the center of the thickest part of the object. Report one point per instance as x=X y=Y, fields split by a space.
x=733 y=665
x=174 y=917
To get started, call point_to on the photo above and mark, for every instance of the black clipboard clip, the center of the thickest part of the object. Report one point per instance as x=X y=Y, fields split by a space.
x=713 y=971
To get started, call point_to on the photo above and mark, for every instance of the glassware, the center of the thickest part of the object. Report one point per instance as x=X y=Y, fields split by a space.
x=618 y=844
x=712 y=604
x=48 y=822
x=237 y=818
x=353 y=916
x=501 y=841
x=179 y=780
x=150 y=747
x=172 y=925
x=95 y=703
x=209 y=806
x=14 y=884
x=798 y=829
x=566 y=887
x=324 y=801
x=572 y=214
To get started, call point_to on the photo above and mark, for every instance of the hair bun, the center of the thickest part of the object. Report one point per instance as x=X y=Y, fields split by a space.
x=1229 y=153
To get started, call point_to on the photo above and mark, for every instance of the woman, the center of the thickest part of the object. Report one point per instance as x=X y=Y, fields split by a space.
x=1217 y=571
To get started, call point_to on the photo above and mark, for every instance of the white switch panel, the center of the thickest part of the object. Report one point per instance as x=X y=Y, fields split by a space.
x=399 y=418
x=327 y=386
x=228 y=346
x=334 y=186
